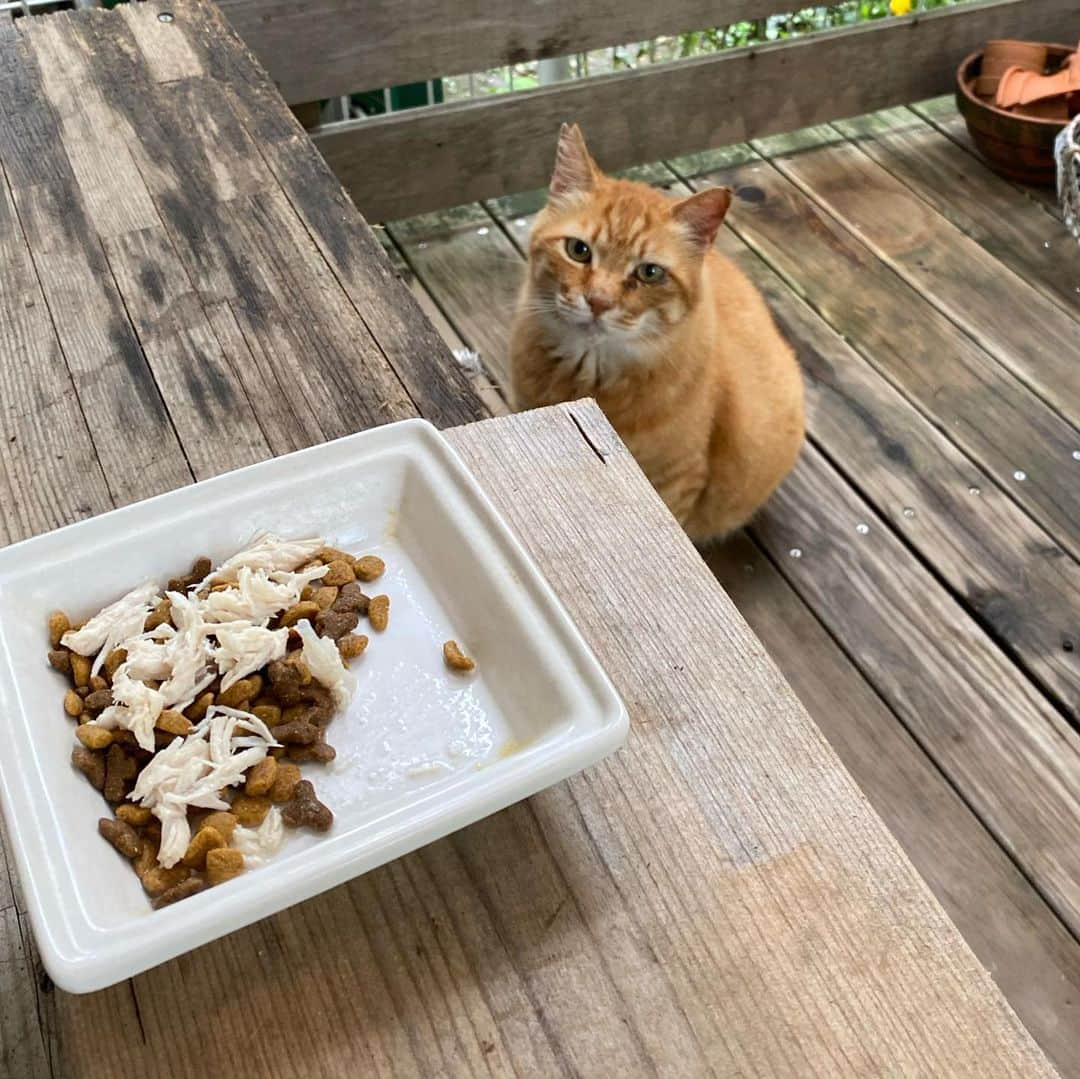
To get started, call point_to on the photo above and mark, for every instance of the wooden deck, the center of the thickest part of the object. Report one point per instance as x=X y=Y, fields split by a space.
x=916 y=579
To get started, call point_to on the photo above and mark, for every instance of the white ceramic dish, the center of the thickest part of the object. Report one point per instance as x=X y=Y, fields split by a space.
x=421 y=751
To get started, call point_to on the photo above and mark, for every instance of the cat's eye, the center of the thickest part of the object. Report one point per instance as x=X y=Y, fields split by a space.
x=577 y=249
x=650 y=273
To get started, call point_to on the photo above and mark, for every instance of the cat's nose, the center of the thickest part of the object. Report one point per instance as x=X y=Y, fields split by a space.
x=599 y=304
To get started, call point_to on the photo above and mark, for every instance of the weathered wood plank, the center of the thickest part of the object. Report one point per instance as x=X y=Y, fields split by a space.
x=60 y=210
x=1011 y=753
x=994 y=419
x=219 y=428
x=1034 y=959
x=407 y=341
x=1024 y=331
x=491 y=146
x=983 y=205
x=49 y=470
x=941 y=112
x=487 y=390
x=365 y=46
x=1021 y=586
x=477 y=270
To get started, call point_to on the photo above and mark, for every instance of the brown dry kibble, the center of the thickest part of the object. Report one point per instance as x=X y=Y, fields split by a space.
x=294 y=712
x=369 y=568
x=147 y=859
x=99 y=699
x=80 y=669
x=120 y=769
x=260 y=780
x=286 y=681
x=250 y=811
x=222 y=822
x=335 y=624
x=60 y=659
x=223 y=865
x=221 y=586
x=173 y=722
x=200 y=570
x=157 y=880
x=196 y=711
x=112 y=661
x=238 y=692
x=307 y=592
x=304 y=809
x=456 y=659
x=161 y=614
x=328 y=555
x=91 y=764
x=202 y=842
x=352 y=645
x=352 y=598
x=93 y=737
x=296 y=659
x=121 y=835
x=152 y=831
x=277 y=752
x=304 y=609
x=339 y=572
x=136 y=816
x=324 y=598
x=298 y=732
x=73 y=704
x=379 y=612
x=268 y=713
x=59 y=624
x=288 y=775
x=321 y=752
x=189 y=887
x=97 y=683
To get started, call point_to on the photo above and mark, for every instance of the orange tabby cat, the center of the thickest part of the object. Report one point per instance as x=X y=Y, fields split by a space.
x=626 y=301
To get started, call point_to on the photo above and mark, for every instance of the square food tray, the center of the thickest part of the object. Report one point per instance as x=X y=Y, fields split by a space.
x=421 y=751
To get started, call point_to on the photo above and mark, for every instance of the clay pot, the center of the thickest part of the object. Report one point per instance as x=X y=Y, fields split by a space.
x=999 y=56
x=1003 y=54
x=1018 y=147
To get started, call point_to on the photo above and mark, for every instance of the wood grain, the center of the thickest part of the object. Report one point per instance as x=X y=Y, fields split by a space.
x=1035 y=960
x=1011 y=753
x=942 y=113
x=995 y=420
x=984 y=206
x=370 y=45
x=487 y=390
x=478 y=272
x=491 y=146
x=1024 y=331
x=1021 y=586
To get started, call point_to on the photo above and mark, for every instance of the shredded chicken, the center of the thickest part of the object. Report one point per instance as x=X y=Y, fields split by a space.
x=269 y=552
x=137 y=708
x=258 y=595
x=325 y=663
x=259 y=844
x=113 y=625
x=243 y=648
x=192 y=771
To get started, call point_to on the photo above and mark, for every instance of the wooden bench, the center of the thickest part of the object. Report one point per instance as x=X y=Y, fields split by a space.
x=718 y=896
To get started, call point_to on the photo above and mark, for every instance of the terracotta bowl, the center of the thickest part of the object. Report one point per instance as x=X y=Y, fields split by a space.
x=1020 y=148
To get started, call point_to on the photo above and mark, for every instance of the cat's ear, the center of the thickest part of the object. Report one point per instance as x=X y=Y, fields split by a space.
x=702 y=214
x=575 y=171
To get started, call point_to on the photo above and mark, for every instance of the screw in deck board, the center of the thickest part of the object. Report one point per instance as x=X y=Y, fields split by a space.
x=165 y=16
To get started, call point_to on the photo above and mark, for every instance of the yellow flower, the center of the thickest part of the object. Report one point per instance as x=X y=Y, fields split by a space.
x=900 y=7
